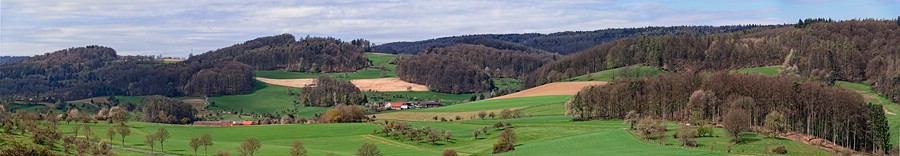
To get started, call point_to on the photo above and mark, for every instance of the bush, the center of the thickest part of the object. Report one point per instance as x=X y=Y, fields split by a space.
x=779 y=150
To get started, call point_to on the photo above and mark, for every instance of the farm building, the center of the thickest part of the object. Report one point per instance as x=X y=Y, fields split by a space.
x=397 y=105
x=427 y=104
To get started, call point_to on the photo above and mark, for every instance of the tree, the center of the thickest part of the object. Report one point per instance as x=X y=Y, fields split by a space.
x=250 y=146
x=449 y=152
x=118 y=114
x=368 y=149
x=195 y=144
x=476 y=132
x=492 y=115
x=774 y=123
x=67 y=144
x=206 y=141
x=737 y=121
x=150 y=140
x=124 y=130
x=162 y=134
x=631 y=118
x=223 y=153
x=297 y=148
x=482 y=114
x=433 y=137
x=879 y=125
x=111 y=132
x=87 y=131
x=687 y=134
x=448 y=135
x=506 y=142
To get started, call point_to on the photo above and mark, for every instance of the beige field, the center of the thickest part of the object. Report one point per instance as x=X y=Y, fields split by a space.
x=382 y=84
x=557 y=88
x=387 y=85
x=299 y=83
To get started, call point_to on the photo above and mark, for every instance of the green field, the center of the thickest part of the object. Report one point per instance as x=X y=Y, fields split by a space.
x=609 y=75
x=417 y=96
x=767 y=70
x=265 y=99
x=378 y=60
x=549 y=105
x=508 y=82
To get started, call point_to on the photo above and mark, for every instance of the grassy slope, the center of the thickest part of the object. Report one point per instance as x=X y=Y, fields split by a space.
x=508 y=82
x=265 y=98
x=767 y=70
x=552 y=105
x=421 y=96
x=377 y=59
x=608 y=75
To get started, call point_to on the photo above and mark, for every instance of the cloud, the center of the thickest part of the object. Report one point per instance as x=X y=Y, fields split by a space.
x=151 y=27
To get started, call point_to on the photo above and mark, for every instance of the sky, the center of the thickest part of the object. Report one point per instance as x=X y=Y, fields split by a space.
x=178 y=28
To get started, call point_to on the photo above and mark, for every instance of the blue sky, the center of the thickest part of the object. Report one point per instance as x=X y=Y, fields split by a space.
x=174 y=28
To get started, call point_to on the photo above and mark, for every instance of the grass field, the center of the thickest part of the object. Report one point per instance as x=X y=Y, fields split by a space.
x=417 y=96
x=266 y=99
x=377 y=59
x=508 y=82
x=530 y=106
x=609 y=75
x=767 y=70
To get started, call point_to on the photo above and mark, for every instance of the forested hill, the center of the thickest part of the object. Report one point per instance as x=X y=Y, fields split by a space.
x=466 y=68
x=854 y=50
x=91 y=71
x=12 y=59
x=561 y=42
x=313 y=54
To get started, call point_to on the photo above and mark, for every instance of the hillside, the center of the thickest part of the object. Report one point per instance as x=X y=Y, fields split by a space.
x=561 y=42
x=283 y=52
x=12 y=59
x=466 y=68
x=830 y=51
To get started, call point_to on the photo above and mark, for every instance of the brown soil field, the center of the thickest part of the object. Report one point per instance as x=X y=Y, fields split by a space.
x=299 y=83
x=382 y=84
x=387 y=85
x=556 y=88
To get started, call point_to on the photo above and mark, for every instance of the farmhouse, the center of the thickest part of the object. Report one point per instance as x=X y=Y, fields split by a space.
x=397 y=105
x=427 y=104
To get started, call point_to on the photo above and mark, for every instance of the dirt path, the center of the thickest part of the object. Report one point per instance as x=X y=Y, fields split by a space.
x=557 y=88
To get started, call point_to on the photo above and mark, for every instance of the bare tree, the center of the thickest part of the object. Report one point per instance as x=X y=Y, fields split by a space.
x=297 y=148
x=206 y=141
x=195 y=144
x=506 y=142
x=737 y=121
x=368 y=149
x=250 y=146
x=449 y=152
x=124 y=130
x=774 y=123
x=162 y=135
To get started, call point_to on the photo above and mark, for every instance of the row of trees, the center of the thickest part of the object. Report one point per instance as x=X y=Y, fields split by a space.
x=854 y=50
x=561 y=42
x=161 y=109
x=809 y=107
x=328 y=92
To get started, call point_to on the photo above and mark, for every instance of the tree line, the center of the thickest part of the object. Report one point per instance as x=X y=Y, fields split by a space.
x=309 y=54
x=810 y=107
x=328 y=92
x=561 y=42
x=853 y=50
x=466 y=68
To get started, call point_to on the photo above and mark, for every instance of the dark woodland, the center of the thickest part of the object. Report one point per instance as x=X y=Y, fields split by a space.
x=562 y=42
x=811 y=107
x=466 y=68
x=330 y=92
x=854 y=50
